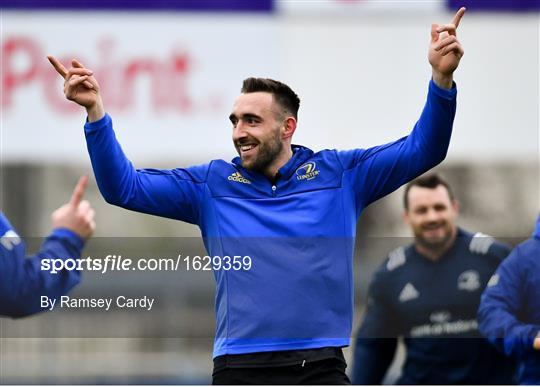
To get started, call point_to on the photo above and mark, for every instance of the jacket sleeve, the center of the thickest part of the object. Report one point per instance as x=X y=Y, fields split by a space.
x=376 y=342
x=23 y=283
x=175 y=193
x=501 y=306
x=378 y=171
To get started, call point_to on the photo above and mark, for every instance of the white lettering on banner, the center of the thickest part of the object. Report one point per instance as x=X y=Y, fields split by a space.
x=169 y=76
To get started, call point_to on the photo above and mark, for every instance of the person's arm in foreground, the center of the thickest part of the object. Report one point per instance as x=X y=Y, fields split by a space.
x=501 y=306
x=22 y=282
x=170 y=193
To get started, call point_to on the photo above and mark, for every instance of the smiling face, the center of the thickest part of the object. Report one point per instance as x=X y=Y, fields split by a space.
x=431 y=214
x=258 y=126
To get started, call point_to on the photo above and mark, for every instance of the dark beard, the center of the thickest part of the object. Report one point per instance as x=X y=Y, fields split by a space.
x=434 y=246
x=267 y=154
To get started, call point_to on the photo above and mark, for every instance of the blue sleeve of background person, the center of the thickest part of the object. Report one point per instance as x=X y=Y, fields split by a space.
x=500 y=308
x=377 y=338
x=375 y=172
x=22 y=282
x=172 y=193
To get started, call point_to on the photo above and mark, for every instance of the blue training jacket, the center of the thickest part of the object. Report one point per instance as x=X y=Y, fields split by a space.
x=509 y=313
x=299 y=231
x=433 y=306
x=22 y=282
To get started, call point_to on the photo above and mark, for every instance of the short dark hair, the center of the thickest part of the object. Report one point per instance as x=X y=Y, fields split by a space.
x=282 y=93
x=431 y=181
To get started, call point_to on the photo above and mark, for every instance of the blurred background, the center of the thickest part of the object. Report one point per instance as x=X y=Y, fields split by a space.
x=169 y=72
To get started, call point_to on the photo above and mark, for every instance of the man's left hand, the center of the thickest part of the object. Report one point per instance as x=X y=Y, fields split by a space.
x=445 y=51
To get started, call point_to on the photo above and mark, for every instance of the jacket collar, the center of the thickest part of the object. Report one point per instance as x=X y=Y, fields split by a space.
x=537 y=230
x=300 y=155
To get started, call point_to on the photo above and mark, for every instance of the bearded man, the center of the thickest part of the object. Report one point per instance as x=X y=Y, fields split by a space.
x=428 y=293
x=293 y=211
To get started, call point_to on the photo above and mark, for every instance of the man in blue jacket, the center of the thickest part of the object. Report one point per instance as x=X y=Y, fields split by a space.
x=293 y=212
x=509 y=313
x=22 y=282
x=428 y=293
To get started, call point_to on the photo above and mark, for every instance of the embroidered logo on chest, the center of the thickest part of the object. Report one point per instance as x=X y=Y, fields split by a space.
x=408 y=293
x=237 y=177
x=469 y=280
x=440 y=317
x=308 y=171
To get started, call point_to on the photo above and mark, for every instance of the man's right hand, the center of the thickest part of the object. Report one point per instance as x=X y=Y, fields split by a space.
x=77 y=215
x=81 y=87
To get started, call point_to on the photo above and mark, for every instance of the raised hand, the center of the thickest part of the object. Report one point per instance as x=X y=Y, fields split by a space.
x=77 y=215
x=81 y=87
x=445 y=50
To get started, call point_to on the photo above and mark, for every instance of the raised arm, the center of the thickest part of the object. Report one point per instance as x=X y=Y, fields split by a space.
x=375 y=172
x=22 y=282
x=173 y=193
x=81 y=87
x=445 y=51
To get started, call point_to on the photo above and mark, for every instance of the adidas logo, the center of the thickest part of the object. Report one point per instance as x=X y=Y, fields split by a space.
x=238 y=178
x=408 y=293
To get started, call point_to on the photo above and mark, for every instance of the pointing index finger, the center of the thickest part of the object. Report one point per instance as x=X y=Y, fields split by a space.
x=60 y=69
x=78 y=192
x=76 y=63
x=458 y=16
